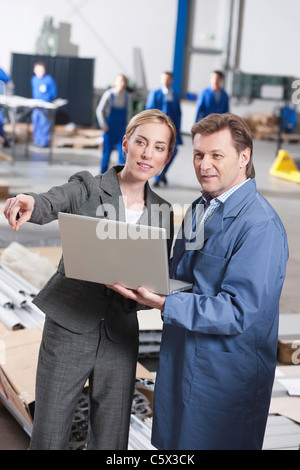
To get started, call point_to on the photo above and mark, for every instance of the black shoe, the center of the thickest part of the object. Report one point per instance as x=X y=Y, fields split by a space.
x=163 y=179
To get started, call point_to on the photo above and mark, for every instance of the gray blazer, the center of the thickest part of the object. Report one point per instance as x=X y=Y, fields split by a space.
x=78 y=305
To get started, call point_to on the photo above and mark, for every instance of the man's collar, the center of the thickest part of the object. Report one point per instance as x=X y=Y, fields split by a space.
x=222 y=197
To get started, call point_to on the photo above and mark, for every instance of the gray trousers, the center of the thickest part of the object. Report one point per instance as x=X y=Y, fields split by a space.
x=66 y=361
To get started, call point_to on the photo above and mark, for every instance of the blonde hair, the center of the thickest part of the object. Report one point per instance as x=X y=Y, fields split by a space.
x=155 y=116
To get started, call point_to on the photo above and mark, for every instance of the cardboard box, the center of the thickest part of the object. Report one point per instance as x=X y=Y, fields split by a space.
x=288 y=351
x=19 y=357
x=17 y=372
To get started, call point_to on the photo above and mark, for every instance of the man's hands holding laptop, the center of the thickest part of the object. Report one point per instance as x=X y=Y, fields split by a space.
x=141 y=295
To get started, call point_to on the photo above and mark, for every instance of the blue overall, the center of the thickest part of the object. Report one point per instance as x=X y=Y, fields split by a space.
x=157 y=100
x=116 y=122
x=43 y=89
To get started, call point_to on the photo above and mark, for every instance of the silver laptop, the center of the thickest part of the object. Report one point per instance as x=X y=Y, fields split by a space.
x=108 y=252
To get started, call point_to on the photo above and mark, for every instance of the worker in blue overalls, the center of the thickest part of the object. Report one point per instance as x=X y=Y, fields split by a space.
x=168 y=101
x=113 y=115
x=4 y=77
x=213 y=99
x=43 y=88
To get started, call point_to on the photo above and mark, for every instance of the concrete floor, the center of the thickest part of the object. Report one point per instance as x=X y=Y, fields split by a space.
x=34 y=172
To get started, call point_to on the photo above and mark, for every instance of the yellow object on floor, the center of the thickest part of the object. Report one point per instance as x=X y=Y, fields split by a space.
x=285 y=167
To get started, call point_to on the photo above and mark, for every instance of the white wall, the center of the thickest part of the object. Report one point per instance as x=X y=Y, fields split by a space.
x=271 y=37
x=209 y=31
x=107 y=30
x=270 y=45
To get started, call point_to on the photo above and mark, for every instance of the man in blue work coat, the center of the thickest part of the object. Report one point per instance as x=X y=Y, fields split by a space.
x=219 y=343
x=168 y=101
x=43 y=88
x=213 y=99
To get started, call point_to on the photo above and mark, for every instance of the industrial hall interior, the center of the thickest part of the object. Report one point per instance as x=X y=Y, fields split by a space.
x=118 y=121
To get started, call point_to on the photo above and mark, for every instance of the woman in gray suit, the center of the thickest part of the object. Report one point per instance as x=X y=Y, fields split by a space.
x=91 y=332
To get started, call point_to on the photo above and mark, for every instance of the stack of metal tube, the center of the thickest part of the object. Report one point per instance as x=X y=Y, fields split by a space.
x=141 y=416
x=149 y=343
x=16 y=308
x=140 y=434
x=140 y=422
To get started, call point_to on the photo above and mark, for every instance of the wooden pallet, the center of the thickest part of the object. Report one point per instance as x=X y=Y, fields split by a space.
x=21 y=132
x=285 y=138
x=76 y=142
x=88 y=132
x=77 y=138
x=63 y=136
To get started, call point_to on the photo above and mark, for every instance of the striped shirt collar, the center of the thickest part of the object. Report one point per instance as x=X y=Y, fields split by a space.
x=222 y=197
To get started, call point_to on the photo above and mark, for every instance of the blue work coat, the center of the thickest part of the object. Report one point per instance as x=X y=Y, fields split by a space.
x=43 y=88
x=157 y=100
x=207 y=104
x=219 y=342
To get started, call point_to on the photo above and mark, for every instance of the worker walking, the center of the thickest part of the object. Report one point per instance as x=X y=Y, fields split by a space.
x=168 y=101
x=112 y=115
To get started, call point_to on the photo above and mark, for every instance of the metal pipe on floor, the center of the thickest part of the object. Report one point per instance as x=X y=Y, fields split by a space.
x=10 y=319
x=5 y=301
x=18 y=281
x=17 y=298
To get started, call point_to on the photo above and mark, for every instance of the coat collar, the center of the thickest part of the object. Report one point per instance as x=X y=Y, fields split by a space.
x=239 y=198
x=111 y=201
x=109 y=181
x=230 y=208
